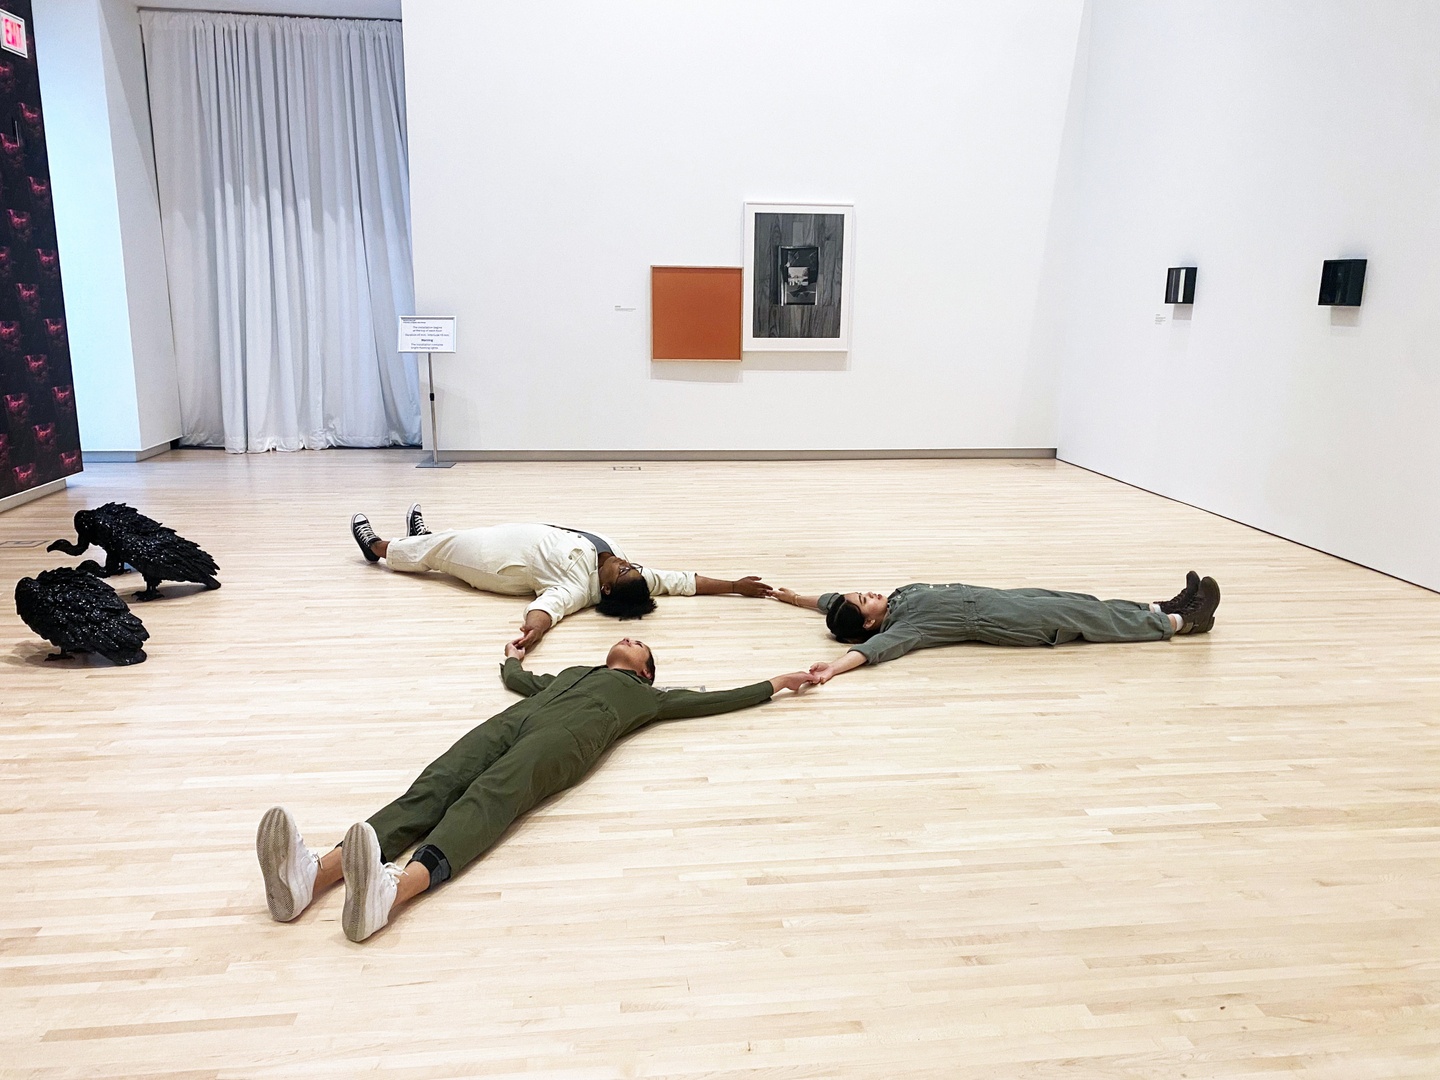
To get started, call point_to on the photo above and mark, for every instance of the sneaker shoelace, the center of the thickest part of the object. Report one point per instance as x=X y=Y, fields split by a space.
x=1175 y=601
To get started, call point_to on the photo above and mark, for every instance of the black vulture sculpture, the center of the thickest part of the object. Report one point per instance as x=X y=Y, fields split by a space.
x=77 y=612
x=129 y=537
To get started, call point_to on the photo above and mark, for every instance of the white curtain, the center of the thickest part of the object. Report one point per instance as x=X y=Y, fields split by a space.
x=285 y=205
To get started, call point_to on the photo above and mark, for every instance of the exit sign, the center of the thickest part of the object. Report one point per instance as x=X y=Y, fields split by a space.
x=12 y=34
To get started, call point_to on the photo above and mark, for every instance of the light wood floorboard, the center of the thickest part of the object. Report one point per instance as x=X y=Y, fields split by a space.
x=1215 y=857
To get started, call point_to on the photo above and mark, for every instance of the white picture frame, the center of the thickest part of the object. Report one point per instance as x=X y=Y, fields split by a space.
x=790 y=299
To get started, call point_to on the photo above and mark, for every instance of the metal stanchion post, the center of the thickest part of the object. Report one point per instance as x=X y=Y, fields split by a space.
x=434 y=462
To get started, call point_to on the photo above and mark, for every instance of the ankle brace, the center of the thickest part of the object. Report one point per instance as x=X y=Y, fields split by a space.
x=433 y=859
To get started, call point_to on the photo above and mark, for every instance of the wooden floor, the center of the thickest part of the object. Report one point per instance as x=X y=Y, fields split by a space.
x=1215 y=857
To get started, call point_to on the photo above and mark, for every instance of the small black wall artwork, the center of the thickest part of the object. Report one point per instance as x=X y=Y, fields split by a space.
x=1342 y=282
x=1180 y=285
x=39 y=436
x=796 y=265
x=798 y=276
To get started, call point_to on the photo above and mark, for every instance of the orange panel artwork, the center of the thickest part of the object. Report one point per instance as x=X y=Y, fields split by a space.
x=695 y=312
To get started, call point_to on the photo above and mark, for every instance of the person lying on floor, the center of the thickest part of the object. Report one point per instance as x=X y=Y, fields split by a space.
x=880 y=628
x=566 y=569
x=466 y=798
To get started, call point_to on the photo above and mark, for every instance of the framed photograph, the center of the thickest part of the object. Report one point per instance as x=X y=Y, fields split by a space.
x=798 y=274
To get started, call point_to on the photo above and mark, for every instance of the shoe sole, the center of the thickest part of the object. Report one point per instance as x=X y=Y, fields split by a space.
x=362 y=865
x=1206 y=623
x=274 y=842
x=370 y=556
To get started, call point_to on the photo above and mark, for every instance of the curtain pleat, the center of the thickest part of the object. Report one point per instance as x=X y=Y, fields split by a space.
x=280 y=154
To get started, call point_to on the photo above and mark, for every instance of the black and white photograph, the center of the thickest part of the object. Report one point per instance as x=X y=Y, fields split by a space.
x=797 y=276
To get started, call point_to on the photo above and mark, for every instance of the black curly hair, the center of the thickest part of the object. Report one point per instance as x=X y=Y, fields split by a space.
x=627 y=600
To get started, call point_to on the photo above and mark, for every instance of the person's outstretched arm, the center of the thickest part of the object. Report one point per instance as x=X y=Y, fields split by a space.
x=516 y=678
x=684 y=704
x=563 y=598
x=536 y=623
x=745 y=586
x=790 y=596
x=886 y=645
x=685 y=583
x=823 y=673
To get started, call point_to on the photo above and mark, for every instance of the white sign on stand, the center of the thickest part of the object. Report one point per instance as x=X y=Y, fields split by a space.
x=429 y=334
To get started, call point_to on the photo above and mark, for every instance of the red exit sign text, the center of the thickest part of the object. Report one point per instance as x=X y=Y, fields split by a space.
x=12 y=34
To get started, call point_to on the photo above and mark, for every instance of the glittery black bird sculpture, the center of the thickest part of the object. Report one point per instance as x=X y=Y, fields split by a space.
x=129 y=537
x=77 y=612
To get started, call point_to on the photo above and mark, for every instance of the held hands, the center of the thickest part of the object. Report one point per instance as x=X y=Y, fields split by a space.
x=529 y=637
x=752 y=586
x=823 y=673
x=532 y=630
x=513 y=651
x=795 y=681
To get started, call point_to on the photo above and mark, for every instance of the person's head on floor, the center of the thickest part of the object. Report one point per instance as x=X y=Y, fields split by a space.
x=854 y=617
x=624 y=592
x=632 y=654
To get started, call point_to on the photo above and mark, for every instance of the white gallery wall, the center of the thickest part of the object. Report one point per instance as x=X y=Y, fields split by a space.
x=1255 y=140
x=558 y=149
x=97 y=119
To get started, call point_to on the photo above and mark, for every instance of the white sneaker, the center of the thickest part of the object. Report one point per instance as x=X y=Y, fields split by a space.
x=288 y=866
x=370 y=884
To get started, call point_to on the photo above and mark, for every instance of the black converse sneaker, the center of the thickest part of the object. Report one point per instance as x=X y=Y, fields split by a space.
x=364 y=536
x=1177 y=603
x=414 y=522
x=1198 y=616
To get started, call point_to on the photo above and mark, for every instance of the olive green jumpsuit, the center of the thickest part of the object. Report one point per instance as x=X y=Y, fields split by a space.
x=468 y=796
x=921 y=616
